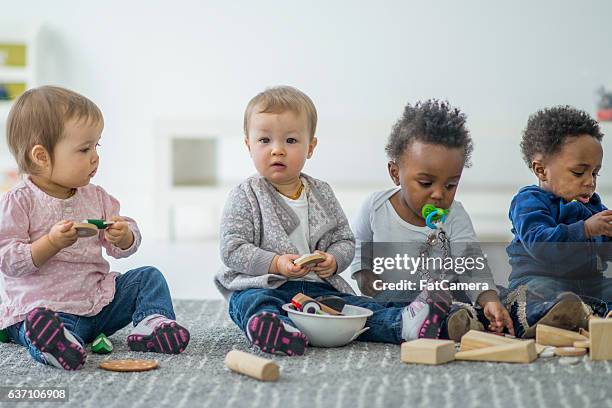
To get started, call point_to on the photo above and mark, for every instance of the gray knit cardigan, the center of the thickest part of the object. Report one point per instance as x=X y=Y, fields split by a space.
x=256 y=224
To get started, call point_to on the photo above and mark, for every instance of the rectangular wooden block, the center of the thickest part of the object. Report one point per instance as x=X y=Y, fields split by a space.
x=601 y=339
x=475 y=339
x=553 y=336
x=428 y=351
x=515 y=352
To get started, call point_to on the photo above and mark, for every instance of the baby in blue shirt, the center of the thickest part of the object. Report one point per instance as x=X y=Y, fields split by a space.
x=561 y=228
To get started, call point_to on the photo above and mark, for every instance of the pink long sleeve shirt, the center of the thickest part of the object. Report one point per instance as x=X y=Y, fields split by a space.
x=77 y=280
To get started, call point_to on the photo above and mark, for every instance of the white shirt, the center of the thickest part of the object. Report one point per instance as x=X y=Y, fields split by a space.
x=299 y=236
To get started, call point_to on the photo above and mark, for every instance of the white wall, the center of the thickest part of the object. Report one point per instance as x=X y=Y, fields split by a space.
x=146 y=61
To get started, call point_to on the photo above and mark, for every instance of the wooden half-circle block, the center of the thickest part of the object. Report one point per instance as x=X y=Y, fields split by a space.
x=553 y=336
x=475 y=339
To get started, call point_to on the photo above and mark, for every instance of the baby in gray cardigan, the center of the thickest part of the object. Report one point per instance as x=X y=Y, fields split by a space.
x=274 y=217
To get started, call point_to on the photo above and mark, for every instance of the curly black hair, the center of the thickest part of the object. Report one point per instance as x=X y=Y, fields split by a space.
x=432 y=121
x=548 y=129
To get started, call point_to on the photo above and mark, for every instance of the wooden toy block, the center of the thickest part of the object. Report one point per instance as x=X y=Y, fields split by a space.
x=570 y=351
x=601 y=339
x=582 y=344
x=553 y=336
x=475 y=339
x=518 y=352
x=540 y=348
x=253 y=366
x=428 y=351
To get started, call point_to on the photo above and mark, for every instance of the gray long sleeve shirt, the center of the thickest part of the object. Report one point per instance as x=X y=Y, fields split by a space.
x=256 y=224
x=377 y=221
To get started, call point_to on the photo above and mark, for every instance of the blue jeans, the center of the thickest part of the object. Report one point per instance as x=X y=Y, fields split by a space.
x=385 y=324
x=138 y=293
x=596 y=292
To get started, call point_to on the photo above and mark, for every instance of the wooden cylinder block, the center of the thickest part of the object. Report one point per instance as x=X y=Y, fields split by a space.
x=253 y=366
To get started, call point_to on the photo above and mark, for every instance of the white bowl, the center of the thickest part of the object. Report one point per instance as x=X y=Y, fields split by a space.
x=328 y=330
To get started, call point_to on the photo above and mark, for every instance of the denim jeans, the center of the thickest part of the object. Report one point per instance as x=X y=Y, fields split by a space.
x=385 y=324
x=596 y=292
x=138 y=293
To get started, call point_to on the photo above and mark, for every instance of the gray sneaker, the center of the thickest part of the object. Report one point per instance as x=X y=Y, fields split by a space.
x=461 y=319
x=567 y=311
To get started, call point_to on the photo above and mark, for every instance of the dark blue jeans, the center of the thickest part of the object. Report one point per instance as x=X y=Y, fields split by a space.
x=596 y=292
x=385 y=324
x=138 y=293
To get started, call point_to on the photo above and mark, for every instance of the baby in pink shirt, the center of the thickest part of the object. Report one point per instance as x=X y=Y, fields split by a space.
x=57 y=290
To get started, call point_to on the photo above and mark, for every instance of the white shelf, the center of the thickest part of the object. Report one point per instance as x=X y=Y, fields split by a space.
x=15 y=74
x=5 y=107
x=25 y=33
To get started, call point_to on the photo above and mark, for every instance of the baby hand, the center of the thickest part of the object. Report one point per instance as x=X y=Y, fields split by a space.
x=284 y=266
x=326 y=268
x=119 y=233
x=62 y=235
x=599 y=224
x=498 y=317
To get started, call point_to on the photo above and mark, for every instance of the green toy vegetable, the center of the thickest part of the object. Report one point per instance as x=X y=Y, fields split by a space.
x=4 y=337
x=100 y=224
x=101 y=345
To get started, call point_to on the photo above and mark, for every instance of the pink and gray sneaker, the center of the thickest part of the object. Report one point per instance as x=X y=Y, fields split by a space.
x=439 y=303
x=58 y=346
x=424 y=316
x=269 y=333
x=158 y=334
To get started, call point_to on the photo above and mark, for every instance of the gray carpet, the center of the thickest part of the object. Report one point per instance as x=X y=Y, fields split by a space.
x=359 y=375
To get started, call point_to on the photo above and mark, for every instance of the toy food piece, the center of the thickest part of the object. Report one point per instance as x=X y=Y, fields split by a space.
x=309 y=259
x=101 y=345
x=334 y=302
x=569 y=351
x=253 y=366
x=311 y=307
x=433 y=214
x=85 y=230
x=4 y=337
x=90 y=227
x=100 y=224
x=301 y=301
x=128 y=365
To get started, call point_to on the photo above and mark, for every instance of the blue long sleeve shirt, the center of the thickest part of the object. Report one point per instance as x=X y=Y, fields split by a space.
x=549 y=237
